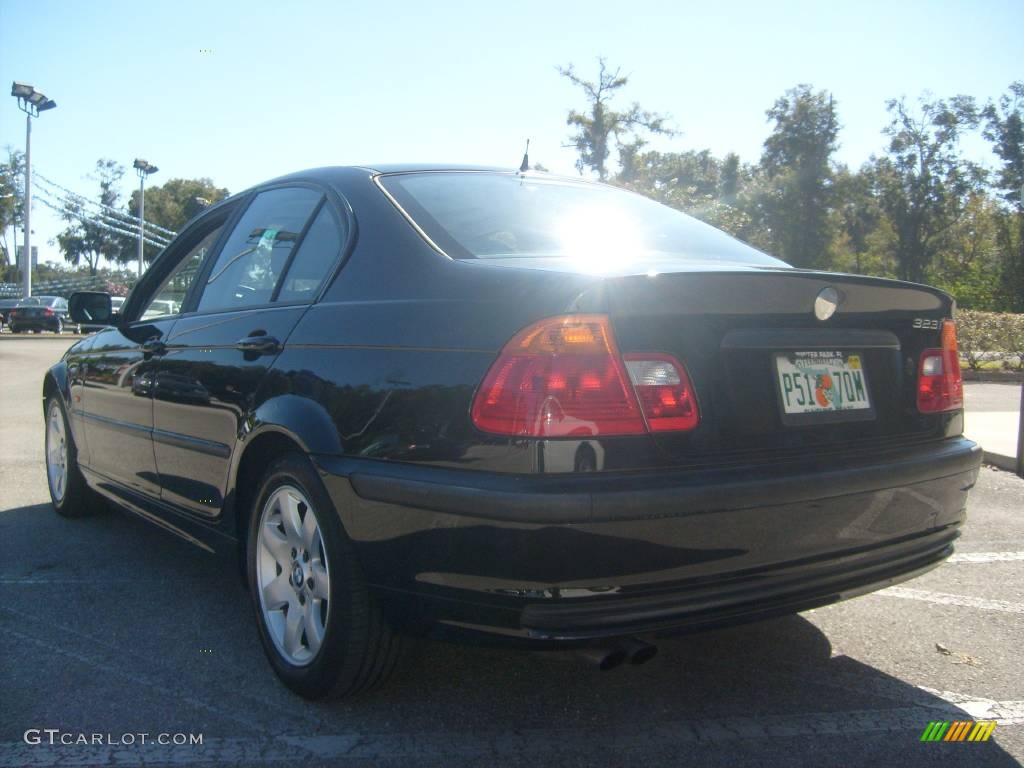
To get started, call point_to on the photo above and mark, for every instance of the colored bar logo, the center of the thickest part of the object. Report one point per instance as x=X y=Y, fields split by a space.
x=961 y=730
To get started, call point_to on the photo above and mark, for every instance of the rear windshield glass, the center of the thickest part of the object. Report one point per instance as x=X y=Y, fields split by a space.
x=504 y=215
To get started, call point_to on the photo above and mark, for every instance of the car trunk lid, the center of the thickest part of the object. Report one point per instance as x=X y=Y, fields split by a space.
x=730 y=328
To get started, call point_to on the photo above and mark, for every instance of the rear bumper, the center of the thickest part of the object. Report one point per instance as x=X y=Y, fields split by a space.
x=570 y=558
x=35 y=324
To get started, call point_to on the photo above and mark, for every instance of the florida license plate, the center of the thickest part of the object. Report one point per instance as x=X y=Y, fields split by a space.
x=822 y=385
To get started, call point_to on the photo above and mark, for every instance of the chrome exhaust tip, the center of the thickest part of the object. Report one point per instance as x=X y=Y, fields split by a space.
x=637 y=651
x=604 y=657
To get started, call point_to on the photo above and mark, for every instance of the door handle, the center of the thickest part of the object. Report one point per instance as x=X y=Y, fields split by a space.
x=258 y=345
x=153 y=346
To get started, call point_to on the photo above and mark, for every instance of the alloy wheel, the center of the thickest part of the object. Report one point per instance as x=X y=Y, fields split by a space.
x=292 y=575
x=56 y=452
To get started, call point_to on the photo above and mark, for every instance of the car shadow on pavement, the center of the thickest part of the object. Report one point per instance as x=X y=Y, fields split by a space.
x=174 y=646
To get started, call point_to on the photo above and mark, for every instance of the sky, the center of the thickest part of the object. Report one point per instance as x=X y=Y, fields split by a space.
x=244 y=91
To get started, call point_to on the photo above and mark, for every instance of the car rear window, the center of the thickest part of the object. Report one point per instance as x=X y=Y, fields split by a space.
x=474 y=214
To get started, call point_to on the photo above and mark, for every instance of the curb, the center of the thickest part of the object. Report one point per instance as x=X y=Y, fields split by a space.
x=993 y=377
x=1003 y=462
x=41 y=336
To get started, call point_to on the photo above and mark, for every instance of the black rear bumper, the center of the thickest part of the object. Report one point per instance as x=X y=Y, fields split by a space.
x=743 y=597
x=569 y=558
x=582 y=498
x=35 y=324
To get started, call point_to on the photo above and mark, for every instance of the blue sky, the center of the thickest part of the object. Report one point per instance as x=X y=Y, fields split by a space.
x=289 y=85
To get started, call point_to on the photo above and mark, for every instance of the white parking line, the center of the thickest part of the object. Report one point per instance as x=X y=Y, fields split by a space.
x=944 y=598
x=986 y=557
x=1005 y=712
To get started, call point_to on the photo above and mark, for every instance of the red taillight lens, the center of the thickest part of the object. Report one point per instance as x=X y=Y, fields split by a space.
x=665 y=393
x=560 y=377
x=564 y=377
x=939 y=383
x=48 y=312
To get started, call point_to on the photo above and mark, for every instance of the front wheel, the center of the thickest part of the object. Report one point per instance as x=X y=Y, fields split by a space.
x=321 y=630
x=70 y=494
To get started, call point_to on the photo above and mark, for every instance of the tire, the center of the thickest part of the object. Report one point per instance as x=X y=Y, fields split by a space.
x=60 y=326
x=70 y=494
x=287 y=567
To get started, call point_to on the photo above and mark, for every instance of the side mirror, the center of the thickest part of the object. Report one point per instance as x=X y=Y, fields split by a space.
x=90 y=308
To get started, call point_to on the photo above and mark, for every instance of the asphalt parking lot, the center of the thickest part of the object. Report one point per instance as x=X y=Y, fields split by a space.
x=109 y=626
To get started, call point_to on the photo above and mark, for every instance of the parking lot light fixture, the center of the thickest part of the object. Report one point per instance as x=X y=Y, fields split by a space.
x=144 y=168
x=31 y=102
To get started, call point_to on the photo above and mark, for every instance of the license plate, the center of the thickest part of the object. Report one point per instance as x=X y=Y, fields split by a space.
x=822 y=385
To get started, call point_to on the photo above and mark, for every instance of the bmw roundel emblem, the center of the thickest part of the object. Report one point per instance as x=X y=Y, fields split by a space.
x=826 y=302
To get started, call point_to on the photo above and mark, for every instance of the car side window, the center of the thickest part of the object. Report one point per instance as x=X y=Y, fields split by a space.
x=257 y=250
x=171 y=294
x=314 y=259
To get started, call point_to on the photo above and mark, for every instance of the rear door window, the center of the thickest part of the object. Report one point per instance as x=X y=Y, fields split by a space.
x=316 y=255
x=256 y=252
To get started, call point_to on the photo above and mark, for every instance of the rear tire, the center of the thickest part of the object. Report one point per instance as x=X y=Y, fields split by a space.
x=320 y=628
x=70 y=494
x=60 y=326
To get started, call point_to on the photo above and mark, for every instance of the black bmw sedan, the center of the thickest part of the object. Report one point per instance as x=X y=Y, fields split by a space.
x=513 y=408
x=39 y=313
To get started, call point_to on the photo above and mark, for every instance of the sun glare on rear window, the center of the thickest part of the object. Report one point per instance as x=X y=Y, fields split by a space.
x=490 y=215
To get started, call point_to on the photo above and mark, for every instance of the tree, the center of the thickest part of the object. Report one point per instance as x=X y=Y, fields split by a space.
x=693 y=182
x=597 y=128
x=972 y=255
x=796 y=166
x=12 y=199
x=923 y=183
x=1004 y=127
x=862 y=239
x=173 y=204
x=729 y=178
x=88 y=237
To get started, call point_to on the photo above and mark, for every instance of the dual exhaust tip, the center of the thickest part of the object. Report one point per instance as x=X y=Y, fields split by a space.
x=619 y=652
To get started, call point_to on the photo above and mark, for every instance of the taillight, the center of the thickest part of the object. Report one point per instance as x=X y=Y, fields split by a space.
x=48 y=312
x=564 y=377
x=664 y=390
x=939 y=383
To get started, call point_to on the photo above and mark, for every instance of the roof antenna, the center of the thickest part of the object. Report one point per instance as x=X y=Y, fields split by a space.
x=526 y=159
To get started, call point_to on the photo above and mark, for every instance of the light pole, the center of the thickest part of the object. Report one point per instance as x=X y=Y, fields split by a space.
x=144 y=169
x=31 y=102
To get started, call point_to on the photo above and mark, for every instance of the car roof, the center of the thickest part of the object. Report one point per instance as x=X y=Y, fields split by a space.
x=334 y=173
x=413 y=167
x=337 y=175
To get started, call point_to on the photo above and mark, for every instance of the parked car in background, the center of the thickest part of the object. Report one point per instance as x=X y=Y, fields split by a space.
x=6 y=305
x=513 y=408
x=39 y=313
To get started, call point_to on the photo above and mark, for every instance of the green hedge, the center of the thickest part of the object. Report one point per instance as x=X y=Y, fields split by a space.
x=990 y=337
